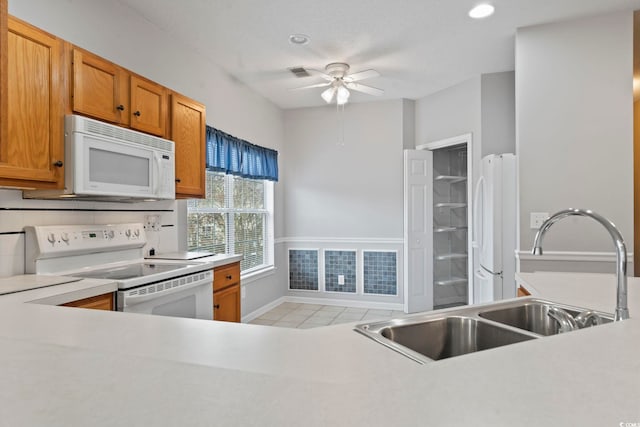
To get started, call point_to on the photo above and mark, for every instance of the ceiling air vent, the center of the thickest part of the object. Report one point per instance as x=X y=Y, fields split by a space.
x=299 y=71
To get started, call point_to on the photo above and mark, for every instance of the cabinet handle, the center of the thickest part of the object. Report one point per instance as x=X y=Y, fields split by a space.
x=216 y=306
x=229 y=277
x=178 y=180
x=120 y=107
x=137 y=114
x=58 y=164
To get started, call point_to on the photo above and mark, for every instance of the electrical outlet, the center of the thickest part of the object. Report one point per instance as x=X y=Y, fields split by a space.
x=243 y=292
x=152 y=222
x=340 y=279
x=537 y=218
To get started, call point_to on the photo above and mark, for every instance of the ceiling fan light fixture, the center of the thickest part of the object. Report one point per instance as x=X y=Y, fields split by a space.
x=482 y=10
x=343 y=95
x=299 y=39
x=328 y=94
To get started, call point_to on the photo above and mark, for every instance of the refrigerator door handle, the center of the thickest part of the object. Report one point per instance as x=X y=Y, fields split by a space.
x=477 y=223
x=482 y=268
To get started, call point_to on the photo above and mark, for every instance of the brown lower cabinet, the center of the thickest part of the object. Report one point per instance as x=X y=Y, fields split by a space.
x=99 y=302
x=522 y=292
x=226 y=293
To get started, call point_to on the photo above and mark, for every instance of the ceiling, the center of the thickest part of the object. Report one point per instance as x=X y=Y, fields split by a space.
x=418 y=46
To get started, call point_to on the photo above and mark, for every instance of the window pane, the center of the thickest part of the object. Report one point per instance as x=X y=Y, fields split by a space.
x=249 y=238
x=248 y=193
x=214 y=192
x=207 y=232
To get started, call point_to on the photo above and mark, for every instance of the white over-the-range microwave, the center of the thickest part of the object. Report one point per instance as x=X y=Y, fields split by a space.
x=108 y=163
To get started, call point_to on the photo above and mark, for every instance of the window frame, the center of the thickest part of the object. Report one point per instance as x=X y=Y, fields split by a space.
x=229 y=211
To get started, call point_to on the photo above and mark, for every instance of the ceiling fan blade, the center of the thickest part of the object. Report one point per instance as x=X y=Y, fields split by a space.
x=325 y=76
x=364 y=88
x=328 y=94
x=311 y=86
x=361 y=75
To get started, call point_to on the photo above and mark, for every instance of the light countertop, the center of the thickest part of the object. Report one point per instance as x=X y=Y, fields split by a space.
x=70 y=366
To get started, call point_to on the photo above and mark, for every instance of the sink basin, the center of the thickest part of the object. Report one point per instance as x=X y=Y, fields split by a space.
x=436 y=335
x=451 y=336
x=533 y=317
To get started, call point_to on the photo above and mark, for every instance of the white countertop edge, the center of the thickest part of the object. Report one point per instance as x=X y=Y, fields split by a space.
x=63 y=293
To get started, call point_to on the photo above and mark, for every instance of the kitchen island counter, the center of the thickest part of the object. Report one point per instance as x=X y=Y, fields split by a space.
x=67 y=366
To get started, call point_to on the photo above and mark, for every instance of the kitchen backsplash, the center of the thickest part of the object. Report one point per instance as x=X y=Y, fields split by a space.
x=16 y=213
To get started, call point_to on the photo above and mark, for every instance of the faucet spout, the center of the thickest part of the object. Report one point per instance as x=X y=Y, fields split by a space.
x=622 y=310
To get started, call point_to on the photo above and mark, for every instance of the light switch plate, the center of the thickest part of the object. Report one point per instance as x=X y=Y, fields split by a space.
x=538 y=218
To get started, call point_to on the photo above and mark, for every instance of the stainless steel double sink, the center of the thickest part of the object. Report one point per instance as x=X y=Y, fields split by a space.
x=440 y=335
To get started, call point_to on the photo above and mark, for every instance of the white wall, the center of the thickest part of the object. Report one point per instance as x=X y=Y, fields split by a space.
x=450 y=112
x=115 y=32
x=498 y=113
x=345 y=183
x=344 y=189
x=574 y=128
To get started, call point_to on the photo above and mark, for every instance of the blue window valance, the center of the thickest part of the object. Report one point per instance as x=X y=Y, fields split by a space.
x=235 y=156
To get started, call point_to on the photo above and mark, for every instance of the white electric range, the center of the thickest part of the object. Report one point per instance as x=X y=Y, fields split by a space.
x=115 y=251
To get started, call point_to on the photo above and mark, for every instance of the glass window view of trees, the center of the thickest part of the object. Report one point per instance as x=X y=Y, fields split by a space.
x=232 y=219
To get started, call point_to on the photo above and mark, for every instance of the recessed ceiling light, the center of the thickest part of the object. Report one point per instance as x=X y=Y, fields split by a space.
x=299 y=39
x=481 y=11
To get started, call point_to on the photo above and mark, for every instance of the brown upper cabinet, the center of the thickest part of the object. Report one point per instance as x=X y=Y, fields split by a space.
x=32 y=150
x=100 y=89
x=42 y=78
x=104 y=90
x=188 y=122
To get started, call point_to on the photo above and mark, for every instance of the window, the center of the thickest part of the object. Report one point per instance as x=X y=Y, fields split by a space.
x=235 y=218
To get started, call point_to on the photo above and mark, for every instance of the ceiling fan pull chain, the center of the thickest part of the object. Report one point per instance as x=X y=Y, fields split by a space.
x=340 y=114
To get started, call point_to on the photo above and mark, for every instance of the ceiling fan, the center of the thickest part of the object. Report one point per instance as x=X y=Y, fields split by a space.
x=339 y=81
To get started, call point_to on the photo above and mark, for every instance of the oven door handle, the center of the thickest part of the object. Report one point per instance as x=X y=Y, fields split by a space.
x=139 y=299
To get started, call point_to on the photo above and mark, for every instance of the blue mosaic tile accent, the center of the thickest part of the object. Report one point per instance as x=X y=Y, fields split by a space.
x=340 y=263
x=303 y=269
x=380 y=274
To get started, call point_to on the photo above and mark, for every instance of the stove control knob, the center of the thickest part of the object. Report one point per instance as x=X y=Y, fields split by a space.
x=136 y=232
x=51 y=238
x=111 y=234
x=65 y=238
x=128 y=232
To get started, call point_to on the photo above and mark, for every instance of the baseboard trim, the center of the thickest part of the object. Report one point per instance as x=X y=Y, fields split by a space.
x=262 y=310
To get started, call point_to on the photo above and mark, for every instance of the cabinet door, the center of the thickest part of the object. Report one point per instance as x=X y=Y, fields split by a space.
x=100 y=88
x=148 y=106
x=226 y=304
x=188 y=121
x=3 y=73
x=32 y=153
x=99 y=302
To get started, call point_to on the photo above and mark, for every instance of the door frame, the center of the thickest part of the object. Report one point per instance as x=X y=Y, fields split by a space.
x=463 y=139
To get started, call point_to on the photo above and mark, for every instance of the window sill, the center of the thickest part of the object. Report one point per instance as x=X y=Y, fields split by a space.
x=252 y=276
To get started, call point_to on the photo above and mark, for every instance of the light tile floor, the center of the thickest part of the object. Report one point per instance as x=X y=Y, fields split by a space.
x=305 y=316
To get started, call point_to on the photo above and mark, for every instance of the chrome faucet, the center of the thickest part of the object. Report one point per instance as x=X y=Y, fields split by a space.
x=566 y=321
x=622 y=311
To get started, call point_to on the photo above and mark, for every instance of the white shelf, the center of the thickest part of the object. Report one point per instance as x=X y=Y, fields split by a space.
x=452 y=281
x=448 y=229
x=450 y=178
x=443 y=257
x=451 y=205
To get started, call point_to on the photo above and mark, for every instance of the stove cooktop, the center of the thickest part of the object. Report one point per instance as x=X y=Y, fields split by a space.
x=131 y=271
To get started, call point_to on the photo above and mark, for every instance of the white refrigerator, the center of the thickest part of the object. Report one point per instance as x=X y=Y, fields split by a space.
x=494 y=236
